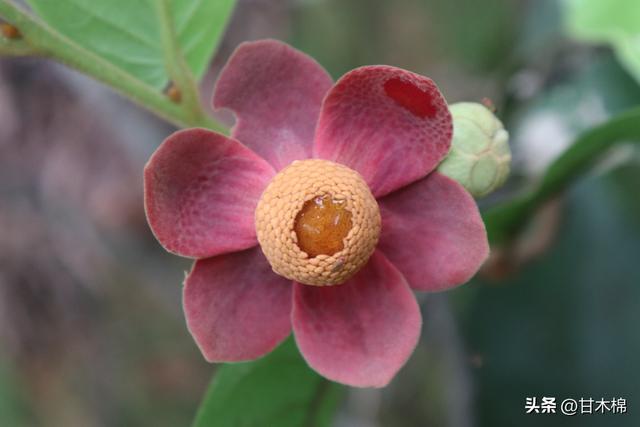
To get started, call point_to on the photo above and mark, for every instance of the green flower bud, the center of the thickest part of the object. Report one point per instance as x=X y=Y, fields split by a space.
x=480 y=156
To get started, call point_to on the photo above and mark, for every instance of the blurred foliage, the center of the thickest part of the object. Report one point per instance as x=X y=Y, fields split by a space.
x=505 y=220
x=13 y=408
x=564 y=326
x=476 y=35
x=349 y=39
x=616 y=22
x=592 y=93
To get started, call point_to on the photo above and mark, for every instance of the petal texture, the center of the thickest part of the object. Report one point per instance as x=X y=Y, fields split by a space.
x=201 y=191
x=432 y=231
x=391 y=125
x=236 y=307
x=359 y=333
x=275 y=92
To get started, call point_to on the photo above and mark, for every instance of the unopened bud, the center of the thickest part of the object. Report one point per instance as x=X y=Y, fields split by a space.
x=480 y=156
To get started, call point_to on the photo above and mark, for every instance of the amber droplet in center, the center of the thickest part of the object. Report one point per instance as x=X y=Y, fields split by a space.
x=321 y=226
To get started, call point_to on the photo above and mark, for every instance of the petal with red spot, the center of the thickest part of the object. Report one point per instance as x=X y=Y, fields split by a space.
x=390 y=125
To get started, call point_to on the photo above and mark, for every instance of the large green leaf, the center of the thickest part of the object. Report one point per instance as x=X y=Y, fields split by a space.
x=506 y=219
x=277 y=390
x=128 y=32
x=616 y=22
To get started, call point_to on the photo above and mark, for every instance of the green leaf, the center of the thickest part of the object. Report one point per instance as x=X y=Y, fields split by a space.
x=616 y=22
x=127 y=33
x=503 y=221
x=199 y=25
x=277 y=390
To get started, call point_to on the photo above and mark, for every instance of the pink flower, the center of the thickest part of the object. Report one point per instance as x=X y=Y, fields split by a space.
x=391 y=126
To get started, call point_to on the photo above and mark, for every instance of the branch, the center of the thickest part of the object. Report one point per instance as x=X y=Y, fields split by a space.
x=16 y=47
x=39 y=38
x=175 y=61
x=505 y=220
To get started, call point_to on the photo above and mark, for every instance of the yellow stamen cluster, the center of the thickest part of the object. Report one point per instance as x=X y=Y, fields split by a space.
x=317 y=222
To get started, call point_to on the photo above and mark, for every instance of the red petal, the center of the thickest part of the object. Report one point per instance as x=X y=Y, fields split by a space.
x=432 y=231
x=359 y=333
x=236 y=307
x=391 y=125
x=201 y=191
x=276 y=92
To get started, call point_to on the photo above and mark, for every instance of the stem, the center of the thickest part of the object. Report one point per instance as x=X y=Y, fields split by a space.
x=40 y=38
x=319 y=395
x=505 y=220
x=16 y=47
x=175 y=61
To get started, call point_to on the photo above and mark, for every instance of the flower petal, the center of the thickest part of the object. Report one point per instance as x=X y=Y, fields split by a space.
x=391 y=125
x=432 y=231
x=276 y=92
x=359 y=333
x=236 y=307
x=201 y=190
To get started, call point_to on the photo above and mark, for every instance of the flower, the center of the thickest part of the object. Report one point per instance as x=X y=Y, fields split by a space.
x=380 y=132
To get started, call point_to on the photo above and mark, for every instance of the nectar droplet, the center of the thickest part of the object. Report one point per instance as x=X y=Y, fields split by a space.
x=321 y=226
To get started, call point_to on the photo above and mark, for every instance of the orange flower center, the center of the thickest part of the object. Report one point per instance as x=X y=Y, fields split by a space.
x=317 y=222
x=321 y=226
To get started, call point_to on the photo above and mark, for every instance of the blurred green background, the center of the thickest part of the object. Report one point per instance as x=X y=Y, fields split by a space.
x=91 y=328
